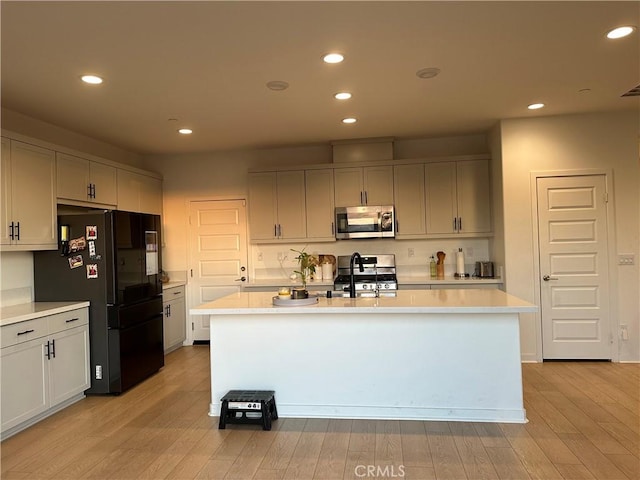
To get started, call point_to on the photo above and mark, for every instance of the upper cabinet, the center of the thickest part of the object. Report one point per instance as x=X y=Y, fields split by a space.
x=409 y=200
x=28 y=211
x=363 y=186
x=320 y=205
x=458 y=198
x=138 y=192
x=277 y=206
x=85 y=181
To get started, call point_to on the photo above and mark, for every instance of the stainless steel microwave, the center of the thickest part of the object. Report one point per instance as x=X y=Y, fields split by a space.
x=365 y=222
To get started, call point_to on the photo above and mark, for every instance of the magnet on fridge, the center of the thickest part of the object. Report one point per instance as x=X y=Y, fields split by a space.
x=75 y=261
x=77 y=244
x=92 y=249
x=92 y=270
x=92 y=232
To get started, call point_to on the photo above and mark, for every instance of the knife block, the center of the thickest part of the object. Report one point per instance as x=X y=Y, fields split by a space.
x=440 y=271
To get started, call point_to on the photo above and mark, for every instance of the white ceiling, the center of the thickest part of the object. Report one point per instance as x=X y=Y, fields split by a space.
x=207 y=63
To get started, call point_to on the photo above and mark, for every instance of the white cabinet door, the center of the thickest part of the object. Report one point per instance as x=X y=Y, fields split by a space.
x=363 y=186
x=103 y=179
x=473 y=196
x=5 y=200
x=72 y=177
x=441 y=203
x=292 y=221
x=320 y=205
x=263 y=206
x=174 y=318
x=69 y=364
x=277 y=209
x=378 y=185
x=139 y=193
x=33 y=203
x=25 y=382
x=458 y=197
x=349 y=187
x=409 y=193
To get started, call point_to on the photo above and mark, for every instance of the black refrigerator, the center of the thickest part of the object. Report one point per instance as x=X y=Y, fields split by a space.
x=112 y=259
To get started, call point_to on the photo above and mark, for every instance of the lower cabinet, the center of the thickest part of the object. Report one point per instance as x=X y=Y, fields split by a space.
x=41 y=375
x=174 y=318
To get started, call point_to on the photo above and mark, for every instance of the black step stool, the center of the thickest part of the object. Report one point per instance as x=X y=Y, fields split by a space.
x=248 y=401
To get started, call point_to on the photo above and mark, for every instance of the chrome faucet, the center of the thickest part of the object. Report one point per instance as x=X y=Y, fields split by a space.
x=352 y=282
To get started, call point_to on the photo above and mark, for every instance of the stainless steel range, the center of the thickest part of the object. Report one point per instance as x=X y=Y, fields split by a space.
x=378 y=273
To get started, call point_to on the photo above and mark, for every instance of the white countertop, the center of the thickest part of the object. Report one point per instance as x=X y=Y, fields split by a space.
x=406 y=301
x=172 y=284
x=29 y=311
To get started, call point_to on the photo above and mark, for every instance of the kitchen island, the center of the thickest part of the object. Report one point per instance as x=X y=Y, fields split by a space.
x=423 y=354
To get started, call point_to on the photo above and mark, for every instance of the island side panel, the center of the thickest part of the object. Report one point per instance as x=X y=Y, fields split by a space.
x=390 y=366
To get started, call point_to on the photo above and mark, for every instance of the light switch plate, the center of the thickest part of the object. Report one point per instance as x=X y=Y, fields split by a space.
x=626 y=259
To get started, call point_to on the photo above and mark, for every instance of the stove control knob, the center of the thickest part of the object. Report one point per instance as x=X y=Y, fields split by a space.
x=386 y=285
x=365 y=286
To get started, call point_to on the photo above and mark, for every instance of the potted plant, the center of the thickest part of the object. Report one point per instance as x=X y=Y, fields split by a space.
x=307 y=266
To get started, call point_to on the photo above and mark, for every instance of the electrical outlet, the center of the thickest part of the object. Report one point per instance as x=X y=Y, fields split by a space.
x=411 y=252
x=624 y=332
x=259 y=256
x=98 y=372
x=280 y=256
x=469 y=252
x=626 y=259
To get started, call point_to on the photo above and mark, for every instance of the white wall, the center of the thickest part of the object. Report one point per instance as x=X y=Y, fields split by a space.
x=601 y=141
x=16 y=278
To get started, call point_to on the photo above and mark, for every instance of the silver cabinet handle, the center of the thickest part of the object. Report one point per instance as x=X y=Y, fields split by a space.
x=546 y=278
x=333 y=229
x=366 y=198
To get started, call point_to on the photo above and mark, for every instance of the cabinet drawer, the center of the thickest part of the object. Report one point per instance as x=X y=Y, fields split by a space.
x=172 y=293
x=64 y=321
x=23 y=331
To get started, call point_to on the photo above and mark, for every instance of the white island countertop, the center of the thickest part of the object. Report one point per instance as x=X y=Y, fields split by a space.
x=423 y=354
x=406 y=301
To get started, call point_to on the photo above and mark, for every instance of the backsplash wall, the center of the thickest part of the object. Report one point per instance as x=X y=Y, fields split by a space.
x=269 y=261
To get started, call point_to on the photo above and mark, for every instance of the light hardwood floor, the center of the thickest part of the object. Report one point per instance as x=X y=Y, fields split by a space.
x=583 y=424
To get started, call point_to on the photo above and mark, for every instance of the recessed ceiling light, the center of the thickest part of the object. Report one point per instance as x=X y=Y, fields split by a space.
x=342 y=96
x=185 y=131
x=333 y=58
x=92 y=79
x=620 y=32
x=277 y=85
x=349 y=120
x=429 y=72
x=535 y=106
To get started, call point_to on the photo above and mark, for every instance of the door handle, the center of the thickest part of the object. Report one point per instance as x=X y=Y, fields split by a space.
x=241 y=279
x=546 y=278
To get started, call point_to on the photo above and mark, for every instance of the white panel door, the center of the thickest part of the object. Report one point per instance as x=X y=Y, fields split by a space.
x=572 y=228
x=218 y=255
